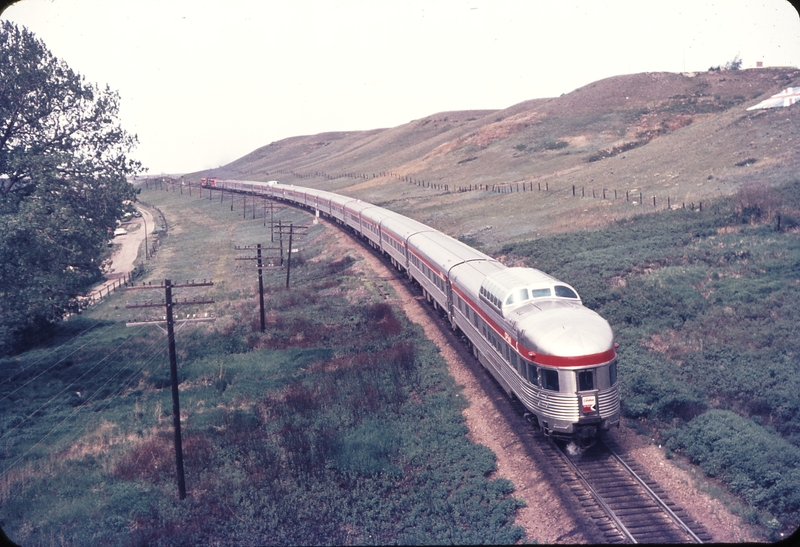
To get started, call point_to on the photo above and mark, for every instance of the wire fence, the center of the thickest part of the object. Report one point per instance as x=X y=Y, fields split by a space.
x=634 y=197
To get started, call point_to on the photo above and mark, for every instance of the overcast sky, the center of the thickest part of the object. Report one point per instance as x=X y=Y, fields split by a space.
x=202 y=84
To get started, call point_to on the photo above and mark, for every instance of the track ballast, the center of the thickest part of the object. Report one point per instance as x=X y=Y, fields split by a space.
x=624 y=503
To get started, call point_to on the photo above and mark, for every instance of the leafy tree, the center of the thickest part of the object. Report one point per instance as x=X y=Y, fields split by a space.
x=735 y=64
x=63 y=169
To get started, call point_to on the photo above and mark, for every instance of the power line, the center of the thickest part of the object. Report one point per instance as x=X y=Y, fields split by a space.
x=65 y=389
x=36 y=362
x=6 y=396
x=80 y=407
x=173 y=359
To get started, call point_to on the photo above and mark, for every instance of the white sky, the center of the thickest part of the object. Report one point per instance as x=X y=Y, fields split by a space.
x=202 y=84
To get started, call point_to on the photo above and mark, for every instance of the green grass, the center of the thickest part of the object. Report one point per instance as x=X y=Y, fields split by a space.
x=706 y=308
x=322 y=430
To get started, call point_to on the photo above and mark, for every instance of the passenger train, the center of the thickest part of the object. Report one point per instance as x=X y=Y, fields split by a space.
x=528 y=329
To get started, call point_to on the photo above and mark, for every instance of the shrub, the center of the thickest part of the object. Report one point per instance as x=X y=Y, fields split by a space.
x=553 y=144
x=758 y=465
x=755 y=201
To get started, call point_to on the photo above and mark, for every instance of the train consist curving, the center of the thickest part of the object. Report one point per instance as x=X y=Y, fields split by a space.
x=528 y=329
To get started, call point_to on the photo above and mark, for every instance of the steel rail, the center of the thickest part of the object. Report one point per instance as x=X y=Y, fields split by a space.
x=655 y=497
x=597 y=498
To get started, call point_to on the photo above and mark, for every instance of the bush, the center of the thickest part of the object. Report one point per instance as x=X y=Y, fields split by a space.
x=553 y=144
x=758 y=465
x=706 y=308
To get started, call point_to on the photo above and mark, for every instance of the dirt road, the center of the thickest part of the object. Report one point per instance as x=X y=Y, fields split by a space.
x=122 y=261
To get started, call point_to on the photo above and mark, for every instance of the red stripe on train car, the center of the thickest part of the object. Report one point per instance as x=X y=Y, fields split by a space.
x=539 y=358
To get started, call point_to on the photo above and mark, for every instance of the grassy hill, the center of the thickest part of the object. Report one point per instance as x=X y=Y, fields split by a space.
x=280 y=441
x=338 y=425
x=701 y=291
x=686 y=138
x=705 y=309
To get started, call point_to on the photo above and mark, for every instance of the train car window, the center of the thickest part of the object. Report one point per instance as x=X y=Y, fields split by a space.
x=539 y=293
x=520 y=295
x=550 y=379
x=565 y=292
x=585 y=380
x=533 y=374
x=612 y=372
x=521 y=368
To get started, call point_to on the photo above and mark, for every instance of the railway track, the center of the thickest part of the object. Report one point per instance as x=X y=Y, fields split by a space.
x=625 y=505
x=616 y=496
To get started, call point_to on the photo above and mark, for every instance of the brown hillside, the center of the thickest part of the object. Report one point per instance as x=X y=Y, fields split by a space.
x=682 y=138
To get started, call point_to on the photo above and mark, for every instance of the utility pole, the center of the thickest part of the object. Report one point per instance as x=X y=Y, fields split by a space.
x=173 y=360
x=261 y=266
x=280 y=233
x=292 y=230
x=289 y=258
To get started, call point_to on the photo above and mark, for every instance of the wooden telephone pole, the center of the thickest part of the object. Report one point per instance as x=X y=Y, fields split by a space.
x=261 y=267
x=173 y=361
x=291 y=230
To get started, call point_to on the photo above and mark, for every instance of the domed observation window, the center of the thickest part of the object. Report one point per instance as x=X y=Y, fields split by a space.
x=541 y=293
x=565 y=292
x=516 y=297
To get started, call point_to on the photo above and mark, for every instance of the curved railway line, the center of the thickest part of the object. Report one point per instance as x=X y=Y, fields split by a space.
x=613 y=500
x=615 y=495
